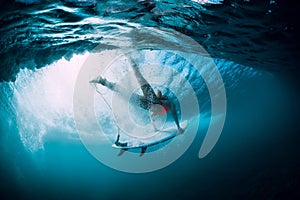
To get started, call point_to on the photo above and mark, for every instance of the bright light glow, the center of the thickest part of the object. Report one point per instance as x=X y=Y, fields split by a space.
x=44 y=102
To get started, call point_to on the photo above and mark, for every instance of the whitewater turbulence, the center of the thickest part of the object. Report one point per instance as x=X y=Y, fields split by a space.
x=43 y=103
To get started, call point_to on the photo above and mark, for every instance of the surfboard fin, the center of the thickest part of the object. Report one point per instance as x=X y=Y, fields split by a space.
x=143 y=150
x=122 y=151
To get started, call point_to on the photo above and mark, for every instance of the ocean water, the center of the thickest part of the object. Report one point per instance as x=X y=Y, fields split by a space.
x=252 y=44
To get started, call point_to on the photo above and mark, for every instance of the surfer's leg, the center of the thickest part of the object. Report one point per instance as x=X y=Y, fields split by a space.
x=145 y=86
x=140 y=100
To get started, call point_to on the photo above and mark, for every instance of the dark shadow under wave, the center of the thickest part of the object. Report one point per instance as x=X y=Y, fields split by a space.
x=253 y=33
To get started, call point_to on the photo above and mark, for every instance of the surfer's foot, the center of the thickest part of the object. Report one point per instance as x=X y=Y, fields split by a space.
x=104 y=82
x=101 y=80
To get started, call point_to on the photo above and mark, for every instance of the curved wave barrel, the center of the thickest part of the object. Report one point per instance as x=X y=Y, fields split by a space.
x=249 y=147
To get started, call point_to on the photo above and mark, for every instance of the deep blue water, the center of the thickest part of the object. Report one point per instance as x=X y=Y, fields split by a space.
x=253 y=45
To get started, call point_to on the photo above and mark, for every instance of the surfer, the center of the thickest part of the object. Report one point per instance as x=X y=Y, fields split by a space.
x=156 y=103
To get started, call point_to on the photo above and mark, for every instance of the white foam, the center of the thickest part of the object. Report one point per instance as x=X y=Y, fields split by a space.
x=43 y=99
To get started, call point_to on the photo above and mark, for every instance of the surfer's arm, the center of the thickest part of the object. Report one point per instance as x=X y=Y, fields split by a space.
x=175 y=116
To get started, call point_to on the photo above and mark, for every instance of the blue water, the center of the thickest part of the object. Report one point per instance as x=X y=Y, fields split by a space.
x=251 y=43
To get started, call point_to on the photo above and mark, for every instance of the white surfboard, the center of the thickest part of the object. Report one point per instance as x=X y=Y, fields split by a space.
x=142 y=143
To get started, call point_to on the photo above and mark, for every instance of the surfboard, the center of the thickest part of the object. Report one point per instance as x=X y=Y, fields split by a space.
x=161 y=136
